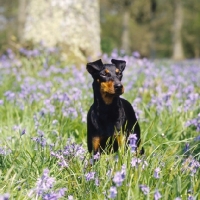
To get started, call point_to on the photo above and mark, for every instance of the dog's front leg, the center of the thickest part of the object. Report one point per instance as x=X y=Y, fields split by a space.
x=96 y=144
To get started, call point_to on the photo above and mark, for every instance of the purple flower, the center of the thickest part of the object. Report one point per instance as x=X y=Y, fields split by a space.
x=96 y=181
x=136 y=54
x=96 y=156
x=113 y=192
x=62 y=162
x=10 y=96
x=70 y=151
x=118 y=179
x=135 y=162
x=40 y=140
x=70 y=197
x=5 y=196
x=145 y=189
x=45 y=182
x=73 y=150
x=4 y=151
x=156 y=173
x=54 y=195
x=1 y=102
x=89 y=176
x=157 y=195
x=190 y=165
x=44 y=188
x=190 y=197
x=23 y=132
x=194 y=122
x=133 y=142
x=120 y=176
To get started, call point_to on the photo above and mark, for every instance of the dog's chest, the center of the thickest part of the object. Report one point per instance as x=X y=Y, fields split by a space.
x=112 y=122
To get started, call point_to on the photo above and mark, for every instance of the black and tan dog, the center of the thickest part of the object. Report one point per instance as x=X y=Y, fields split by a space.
x=109 y=115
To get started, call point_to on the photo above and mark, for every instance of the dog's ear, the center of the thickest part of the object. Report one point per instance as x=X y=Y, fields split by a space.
x=120 y=64
x=95 y=67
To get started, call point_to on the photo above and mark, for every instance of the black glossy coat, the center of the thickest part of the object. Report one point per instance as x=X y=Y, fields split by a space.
x=105 y=121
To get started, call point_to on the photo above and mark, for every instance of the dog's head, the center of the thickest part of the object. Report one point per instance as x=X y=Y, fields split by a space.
x=108 y=77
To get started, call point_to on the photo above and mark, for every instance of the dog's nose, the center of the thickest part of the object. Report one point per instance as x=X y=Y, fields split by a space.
x=118 y=86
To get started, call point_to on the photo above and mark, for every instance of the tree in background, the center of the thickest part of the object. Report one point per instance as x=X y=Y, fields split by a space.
x=21 y=18
x=72 y=24
x=191 y=28
x=155 y=28
x=8 y=10
x=125 y=39
x=177 y=31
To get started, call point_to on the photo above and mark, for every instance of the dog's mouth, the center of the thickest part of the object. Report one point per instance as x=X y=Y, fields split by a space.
x=113 y=93
x=119 y=92
x=109 y=89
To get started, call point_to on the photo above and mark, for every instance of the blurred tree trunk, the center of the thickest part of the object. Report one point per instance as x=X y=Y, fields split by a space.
x=125 y=31
x=74 y=25
x=21 y=18
x=125 y=38
x=177 y=27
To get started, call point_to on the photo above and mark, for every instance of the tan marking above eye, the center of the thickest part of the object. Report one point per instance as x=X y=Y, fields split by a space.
x=107 y=71
x=117 y=70
x=98 y=80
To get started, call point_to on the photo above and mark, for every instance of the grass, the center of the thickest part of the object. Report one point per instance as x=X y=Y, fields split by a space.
x=43 y=151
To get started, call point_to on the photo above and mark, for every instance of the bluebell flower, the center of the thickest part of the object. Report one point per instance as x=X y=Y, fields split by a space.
x=136 y=54
x=5 y=196
x=96 y=181
x=113 y=192
x=133 y=142
x=144 y=189
x=4 y=151
x=157 y=195
x=44 y=188
x=1 y=102
x=23 y=132
x=118 y=179
x=96 y=156
x=190 y=165
x=120 y=176
x=89 y=176
x=156 y=173
x=190 y=197
x=70 y=197
x=135 y=162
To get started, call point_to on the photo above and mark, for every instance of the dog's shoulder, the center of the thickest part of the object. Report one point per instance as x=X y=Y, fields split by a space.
x=126 y=104
x=128 y=108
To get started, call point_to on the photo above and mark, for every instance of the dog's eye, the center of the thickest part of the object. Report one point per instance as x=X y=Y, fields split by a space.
x=118 y=73
x=105 y=74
